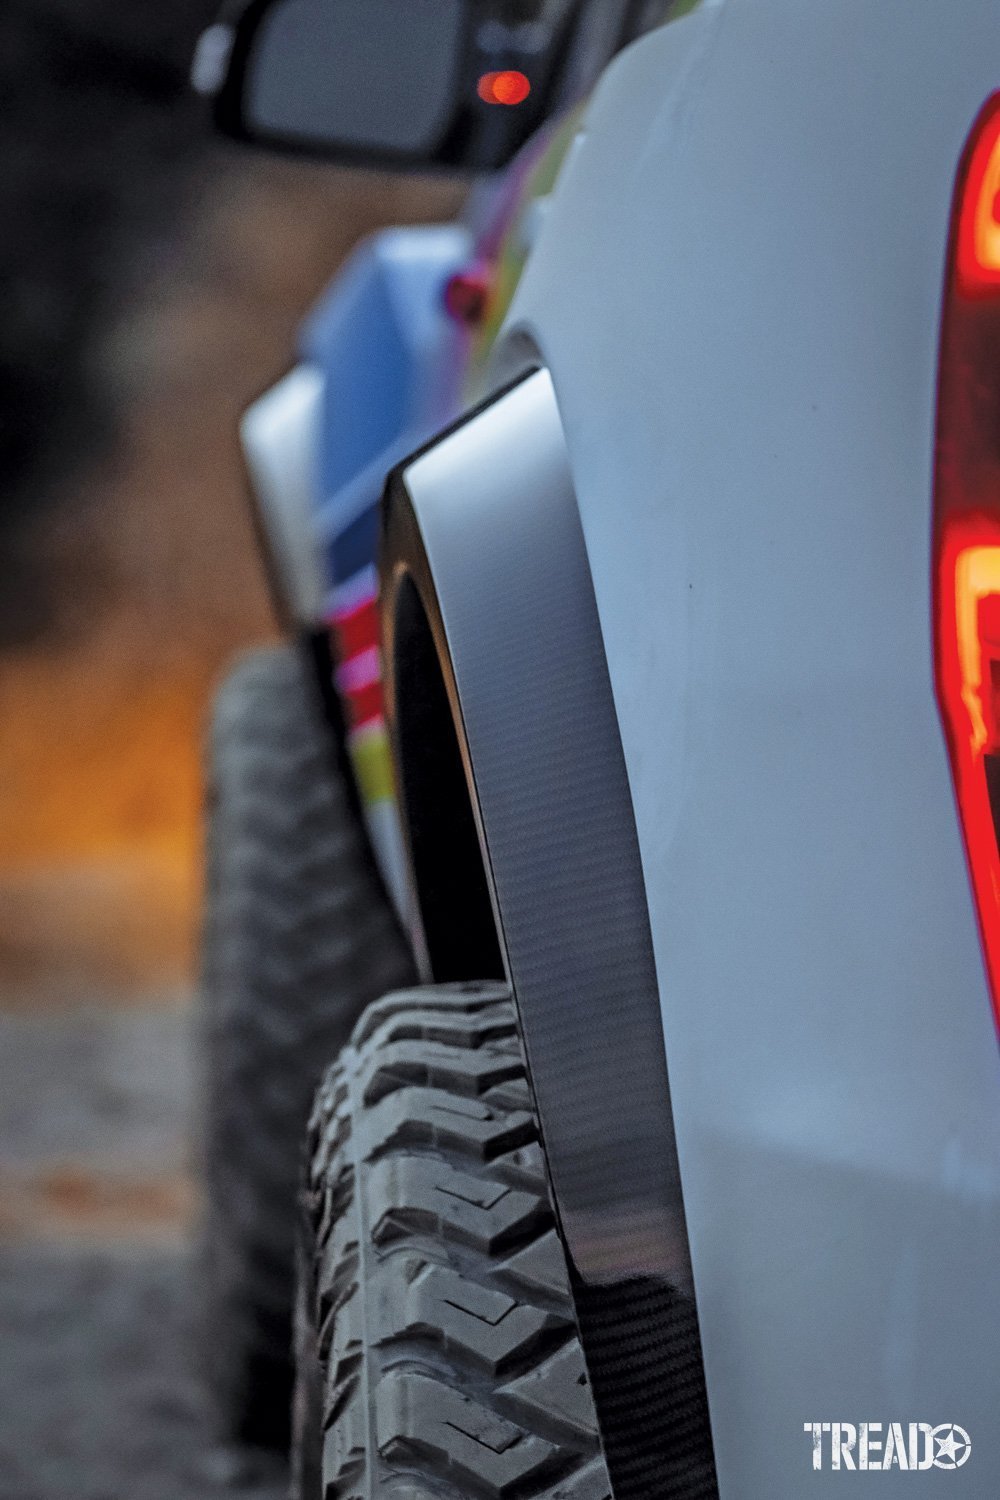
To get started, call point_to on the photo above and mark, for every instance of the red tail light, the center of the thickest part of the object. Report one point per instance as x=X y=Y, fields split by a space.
x=978 y=249
x=467 y=295
x=967 y=520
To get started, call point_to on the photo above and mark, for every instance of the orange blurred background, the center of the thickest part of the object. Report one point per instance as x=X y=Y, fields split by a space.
x=149 y=566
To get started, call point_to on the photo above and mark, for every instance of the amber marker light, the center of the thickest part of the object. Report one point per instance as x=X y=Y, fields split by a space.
x=507 y=87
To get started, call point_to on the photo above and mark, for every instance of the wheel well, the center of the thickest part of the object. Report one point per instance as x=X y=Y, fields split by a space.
x=446 y=855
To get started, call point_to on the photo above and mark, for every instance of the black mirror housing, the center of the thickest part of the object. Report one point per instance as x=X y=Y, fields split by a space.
x=405 y=84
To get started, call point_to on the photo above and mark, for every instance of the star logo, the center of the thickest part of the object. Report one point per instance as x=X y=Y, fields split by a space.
x=952 y=1444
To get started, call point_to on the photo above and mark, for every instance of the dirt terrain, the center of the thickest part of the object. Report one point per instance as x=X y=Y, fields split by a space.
x=99 y=1393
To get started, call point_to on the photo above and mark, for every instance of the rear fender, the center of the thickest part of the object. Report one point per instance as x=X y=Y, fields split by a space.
x=485 y=583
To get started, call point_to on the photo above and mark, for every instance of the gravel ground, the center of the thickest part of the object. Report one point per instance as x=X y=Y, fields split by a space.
x=113 y=1089
x=99 y=1398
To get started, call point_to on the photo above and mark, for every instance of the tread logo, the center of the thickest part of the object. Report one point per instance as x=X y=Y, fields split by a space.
x=889 y=1445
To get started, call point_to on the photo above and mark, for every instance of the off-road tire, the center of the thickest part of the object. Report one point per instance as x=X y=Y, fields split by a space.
x=299 y=936
x=438 y=1349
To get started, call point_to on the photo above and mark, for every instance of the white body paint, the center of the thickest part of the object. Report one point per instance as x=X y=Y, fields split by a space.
x=737 y=292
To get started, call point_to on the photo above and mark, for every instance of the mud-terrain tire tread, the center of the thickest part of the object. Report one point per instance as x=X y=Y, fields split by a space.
x=449 y=1360
x=299 y=936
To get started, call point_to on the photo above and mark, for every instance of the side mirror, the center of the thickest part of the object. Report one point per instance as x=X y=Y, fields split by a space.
x=402 y=83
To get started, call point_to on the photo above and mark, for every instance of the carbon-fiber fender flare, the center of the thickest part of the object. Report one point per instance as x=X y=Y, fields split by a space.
x=484 y=525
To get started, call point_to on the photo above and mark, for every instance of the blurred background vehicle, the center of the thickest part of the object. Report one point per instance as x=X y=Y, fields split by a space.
x=300 y=930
